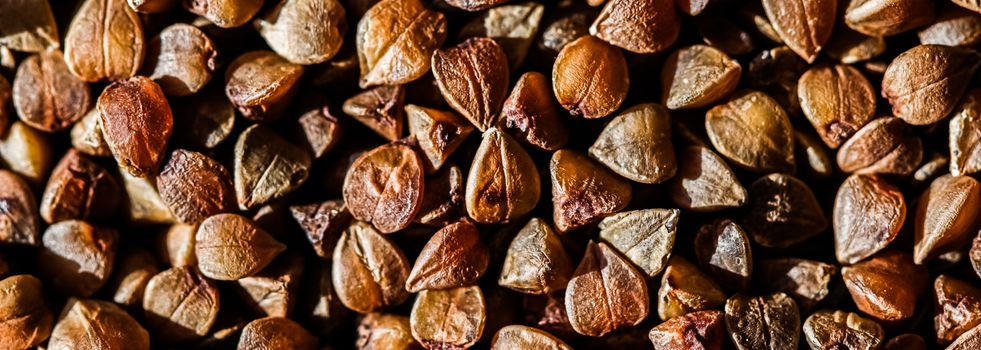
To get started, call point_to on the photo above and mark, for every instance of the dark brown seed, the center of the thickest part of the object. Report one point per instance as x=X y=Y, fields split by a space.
x=224 y=13
x=438 y=133
x=448 y=319
x=753 y=131
x=513 y=26
x=783 y=212
x=76 y=257
x=380 y=109
x=267 y=167
x=322 y=222
x=195 y=186
x=807 y=281
x=473 y=78
x=323 y=310
x=885 y=145
x=645 y=26
x=384 y=186
x=503 y=183
x=104 y=41
x=827 y=329
x=19 y=219
x=181 y=59
x=590 y=78
x=837 y=100
x=696 y=330
x=723 y=34
x=964 y=138
x=531 y=115
x=776 y=72
x=536 y=262
x=453 y=257
x=261 y=84
x=79 y=189
x=304 y=31
x=396 y=40
x=230 y=247
x=25 y=320
x=697 y=76
x=136 y=101
x=276 y=333
x=385 y=332
x=92 y=324
x=208 y=118
x=321 y=131
x=958 y=307
x=637 y=144
x=873 y=284
x=28 y=26
x=685 y=288
x=26 y=152
x=548 y=313
x=180 y=305
x=564 y=30
x=906 y=341
x=130 y=277
x=584 y=191
x=605 y=293
x=274 y=290
x=868 y=213
x=924 y=84
x=369 y=271
x=442 y=203
x=763 y=322
x=704 y=182
x=5 y=96
x=804 y=26
x=888 y=17
x=723 y=249
x=954 y=26
x=46 y=95
x=946 y=216
x=848 y=46
x=646 y=236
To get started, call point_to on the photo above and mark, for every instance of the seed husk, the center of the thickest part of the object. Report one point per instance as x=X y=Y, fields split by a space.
x=828 y=329
x=958 y=307
x=78 y=257
x=704 y=182
x=438 y=133
x=646 y=26
x=25 y=320
x=380 y=109
x=837 y=100
x=695 y=330
x=19 y=222
x=448 y=319
x=304 y=31
x=723 y=249
x=261 y=84
x=523 y=337
x=804 y=26
x=368 y=270
x=783 y=212
x=763 y=322
x=267 y=167
x=530 y=114
x=884 y=146
x=180 y=304
x=46 y=94
x=888 y=17
x=685 y=288
x=181 y=59
x=104 y=41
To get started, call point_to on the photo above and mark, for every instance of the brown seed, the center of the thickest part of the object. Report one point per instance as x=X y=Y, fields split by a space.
x=195 y=186
x=645 y=26
x=969 y=340
x=523 y=337
x=145 y=204
x=25 y=320
x=906 y=341
x=87 y=136
x=321 y=130
x=776 y=72
x=887 y=285
x=26 y=152
x=276 y=333
x=590 y=77
x=274 y=290
x=260 y=84
x=964 y=135
x=696 y=330
x=180 y=304
x=584 y=191
x=47 y=96
x=954 y=26
x=536 y=262
x=605 y=293
x=931 y=169
x=685 y=288
x=513 y=26
x=229 y=247
x=503 y=183
x=104 y=41
x=135 y=268
x=888 y=17
x=473 y=78
x=763 y=322
x=885 y=145
x=380 y=109
x=868 y=213
x=946 y=216
x=827 y=329
x=442 y=203
x=807 y=281
x=813 y=156
x=77 y=257
x=181 y=59
x=925 y=83
x=136 y=101
x=439 y=133
x=637 y=144
x=755 y=16
x=304 y=31
x=322 y=222
x=697 y=76
x=548 y=313
x=531 y=115
x=975 y=255
x=267 y=167
x=723 y=249
x=453 y=257
x=19 y=219
x=176 y=245
x=958 y=307
x=448 y=319
x=564 y=30
x=783 y=212
x=753 y=131
x=646 y=236
x=224 y=13
x=804 y=26
x=29 y=26
x=704 y=182
x=973 y=5
x=848 y=46
x=369 y=271
x=384 y=186
x=837 y=100
x=92 y=324
x=79 y=189
x=385 y=332
x=396 y=40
